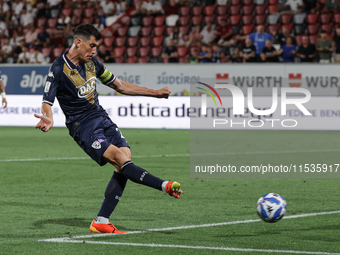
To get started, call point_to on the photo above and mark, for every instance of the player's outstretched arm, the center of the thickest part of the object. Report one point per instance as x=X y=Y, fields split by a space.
x=130 y=89
x=46 y=119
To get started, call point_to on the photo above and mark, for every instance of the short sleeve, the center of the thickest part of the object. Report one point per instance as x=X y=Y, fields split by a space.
x=52 y=84
x=252 y=36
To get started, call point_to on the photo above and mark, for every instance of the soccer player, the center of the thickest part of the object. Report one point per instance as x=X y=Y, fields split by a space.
x=72 y=79
x=3 y=93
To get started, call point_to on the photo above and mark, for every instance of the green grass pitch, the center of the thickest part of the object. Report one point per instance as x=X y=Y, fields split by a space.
x=53 y=198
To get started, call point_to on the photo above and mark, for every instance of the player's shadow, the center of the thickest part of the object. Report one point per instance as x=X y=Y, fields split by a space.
x=70 y=222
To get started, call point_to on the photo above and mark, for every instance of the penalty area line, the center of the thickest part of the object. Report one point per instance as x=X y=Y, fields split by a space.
x=176 y=155
x=152 y=245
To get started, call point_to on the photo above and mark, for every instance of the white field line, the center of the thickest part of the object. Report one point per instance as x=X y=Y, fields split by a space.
x=188 y=227
x=176 y=155
x=196 y=247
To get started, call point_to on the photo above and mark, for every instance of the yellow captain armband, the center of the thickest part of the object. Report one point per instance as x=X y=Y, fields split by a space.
x=106 y=77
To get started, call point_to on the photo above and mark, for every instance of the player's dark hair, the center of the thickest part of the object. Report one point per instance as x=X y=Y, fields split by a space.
x=86 y=31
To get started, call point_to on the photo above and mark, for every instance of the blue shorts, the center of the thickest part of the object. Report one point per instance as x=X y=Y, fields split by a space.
x=96 y=135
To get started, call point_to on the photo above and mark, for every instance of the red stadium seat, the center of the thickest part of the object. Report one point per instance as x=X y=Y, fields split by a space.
x=313 y=29
x=184 y=10
x=209 y=10
x=196 y=20
x=144 y=51
x=46 y=51
x=235 y=2
x=183 y=60
x=67 y=11
x=197 y=10
x=234 y=9
x=273 y=28
x=131 y=60
x=288 y=26
x=247 y=9
x=147 y=21
x=272 y=2
x=312 y=18
x=119 y=60
x=247 y=19
x=119 y=51
x=158 y=31
x=313 y=39
x=145 y=41
x=247 y=2
x=247 y=29
x=182 y=51
x=146 y=31
x=220 y=18
x=156 y=51
x=211 y=19
x=51 y=22
x=41 y=22
x=184 y=29
x=143 y=60
x=122 y=31
x=89 y=12
x=108 y=41
x=157 y=41
x=327 y=27
x=56 y=52
x=235 y=19
x=325 y=18
x=260 y=19
x=286 y=18
x=159 y=21
x=184 y=20
x=120 y=41
x=272 y=9
x=298 y=39
x=260 y=9
x=132 y=41
x=131 y=51
x=222 y=10
x=77 y=12
x=336 y=18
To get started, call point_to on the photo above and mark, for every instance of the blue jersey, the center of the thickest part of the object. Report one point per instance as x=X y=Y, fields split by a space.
x=75 y=88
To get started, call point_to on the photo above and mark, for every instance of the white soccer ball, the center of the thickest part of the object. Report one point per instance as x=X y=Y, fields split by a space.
x=271 y=207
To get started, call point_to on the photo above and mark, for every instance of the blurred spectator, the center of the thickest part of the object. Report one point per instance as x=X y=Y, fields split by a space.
x=222 y=2
x=26 y=18
x=293 y=6
x=176 y=36
x=3 y=30
x=120 y=7
x=208 y=33
x=37 y=57
x=98 y=24
x=205 y=55
x=325 y=47
x=236 y=56
x=306 y=51
x=4 y=7
x=331 y=6
x=108 y=7
x=193 y=57
x=217 y=55
x=62 y=22
x=170 y=53
x=224 y=34
x=195 y=36
x=249 y=51
x=11 y=20
x=153 y=7
x=259 y=39
x=336 y=39
x=31 y=36
x=17 y=36
x=53 y=8
x=269 y=53
x=75 y=21
x=18 y=50
x=288 y=51
x=24 y=56
x=3 y=15
x=281 y=37
x=140 y=8
x=17 y=6
x=311 y=6
x=105 y=55
x=43 y=38
x=7 y=52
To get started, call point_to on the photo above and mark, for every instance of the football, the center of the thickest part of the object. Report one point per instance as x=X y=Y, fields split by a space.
x=271 y=207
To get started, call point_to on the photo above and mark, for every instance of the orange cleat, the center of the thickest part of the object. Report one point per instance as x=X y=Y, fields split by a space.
x=104 y=228
x=174 y=189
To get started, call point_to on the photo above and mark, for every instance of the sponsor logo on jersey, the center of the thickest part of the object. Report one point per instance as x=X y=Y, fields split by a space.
x=47 y=86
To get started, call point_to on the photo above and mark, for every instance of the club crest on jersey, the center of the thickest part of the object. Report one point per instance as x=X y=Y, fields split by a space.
x=96 y=145
x=90 y=66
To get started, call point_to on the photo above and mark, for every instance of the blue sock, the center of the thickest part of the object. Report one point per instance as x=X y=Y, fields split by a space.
x=113 y=193
x=139 y=175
